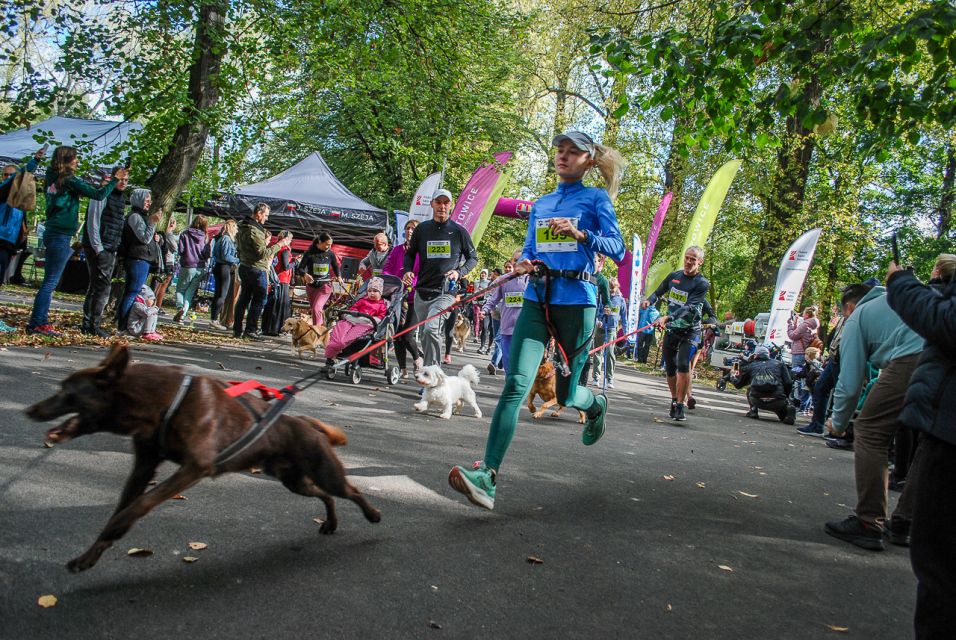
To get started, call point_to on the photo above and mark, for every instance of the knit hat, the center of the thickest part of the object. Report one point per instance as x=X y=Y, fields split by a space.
x=377 y=284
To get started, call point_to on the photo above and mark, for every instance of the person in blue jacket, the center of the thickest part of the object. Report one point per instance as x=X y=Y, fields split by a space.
x=11 y=218
x=565 y=231
x=645 y=339
x=613 y=317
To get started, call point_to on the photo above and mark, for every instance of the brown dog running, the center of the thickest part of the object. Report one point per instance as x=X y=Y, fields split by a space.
x=460 y=333
x=545 y=383
x=110 y=397
x=305 y=335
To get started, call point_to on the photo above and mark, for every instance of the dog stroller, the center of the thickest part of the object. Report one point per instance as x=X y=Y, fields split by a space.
x=393 y=293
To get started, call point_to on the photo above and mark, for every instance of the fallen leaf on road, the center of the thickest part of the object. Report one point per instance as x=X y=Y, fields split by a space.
x=318 y=520
x=701 y=485
x=656 y=419
x=221 y=366
x=47 y=601
x=152 y=482
x=668 y=477
x=255 y=471
x=724 y=567
x=833 y=627
x=748 y=495
x=190 y=559
x=180 y=497
x=670 y=608
x=46 y=356
x=139 y=553
x=48 y=445
x=433 y=624
x=198 y=546
x=535 y=560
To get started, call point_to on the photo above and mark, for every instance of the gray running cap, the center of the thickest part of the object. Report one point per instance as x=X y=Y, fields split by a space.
x=580 y=140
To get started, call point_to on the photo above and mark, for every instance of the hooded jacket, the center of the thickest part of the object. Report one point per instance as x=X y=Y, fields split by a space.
x=63 y=201
x=251 y=245
x=874 y=334
x=194 y=248
x=930 y=404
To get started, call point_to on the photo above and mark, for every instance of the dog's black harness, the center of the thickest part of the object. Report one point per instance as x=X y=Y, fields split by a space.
x=261 y=421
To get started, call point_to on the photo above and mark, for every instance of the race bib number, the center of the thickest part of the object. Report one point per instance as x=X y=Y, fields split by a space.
x=547 y=241
x=615 y=311
x=320 y=270
x=438 y=249
x=513 y=300
x=376 y=272
x=677 y=296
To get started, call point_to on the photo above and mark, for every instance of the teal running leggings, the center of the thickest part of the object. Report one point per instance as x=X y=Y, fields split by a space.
x=573 y=324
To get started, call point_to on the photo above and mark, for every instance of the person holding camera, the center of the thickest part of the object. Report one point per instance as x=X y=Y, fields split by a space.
x=770 y=386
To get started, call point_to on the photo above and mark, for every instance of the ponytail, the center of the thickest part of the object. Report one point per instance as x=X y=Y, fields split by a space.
x=610 y=164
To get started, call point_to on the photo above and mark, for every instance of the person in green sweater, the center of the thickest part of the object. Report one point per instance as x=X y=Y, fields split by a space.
x=63 y=192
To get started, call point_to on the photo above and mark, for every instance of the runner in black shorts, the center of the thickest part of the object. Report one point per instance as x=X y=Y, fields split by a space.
x=685 y=292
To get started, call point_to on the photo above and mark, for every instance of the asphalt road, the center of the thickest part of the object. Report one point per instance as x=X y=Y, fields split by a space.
x=713 y=529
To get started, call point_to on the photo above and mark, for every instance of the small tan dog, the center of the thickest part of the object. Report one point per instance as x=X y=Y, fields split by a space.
x=460 y=332
x=545 y=384
x=305 y=336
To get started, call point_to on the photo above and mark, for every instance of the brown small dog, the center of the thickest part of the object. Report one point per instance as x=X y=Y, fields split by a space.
x=460 y=333
x=305 y=335
x=545 y=383
x=110 y=397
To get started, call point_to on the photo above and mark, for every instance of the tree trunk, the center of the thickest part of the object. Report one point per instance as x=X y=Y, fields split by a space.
x=189 y=140
x=612 y=124
x=784 y=204
x=946 y=201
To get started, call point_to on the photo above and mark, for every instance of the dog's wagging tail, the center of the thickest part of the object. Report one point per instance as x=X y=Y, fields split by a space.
x=131 y=399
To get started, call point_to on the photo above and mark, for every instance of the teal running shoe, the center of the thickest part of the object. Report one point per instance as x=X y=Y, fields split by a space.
x=478 y=484
x=594 y=427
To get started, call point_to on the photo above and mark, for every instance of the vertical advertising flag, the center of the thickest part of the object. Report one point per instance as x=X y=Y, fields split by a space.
x=634 y=302
x=421 y=208
x=700 y=225
x=654 y=233
x=706 y=214
x=401 y=218
x=478 y=199
x=790 y=278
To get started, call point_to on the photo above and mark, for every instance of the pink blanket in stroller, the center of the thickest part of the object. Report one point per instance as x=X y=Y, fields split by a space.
x=344 y=333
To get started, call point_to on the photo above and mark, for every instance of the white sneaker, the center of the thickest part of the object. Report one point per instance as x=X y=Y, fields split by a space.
x=610 y=384
x=216 y=325
x=419 y=363
x=404 y=374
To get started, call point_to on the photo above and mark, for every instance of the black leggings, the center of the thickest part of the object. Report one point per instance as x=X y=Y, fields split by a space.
x=407 y=344
x=222 y=274
x=676 y=353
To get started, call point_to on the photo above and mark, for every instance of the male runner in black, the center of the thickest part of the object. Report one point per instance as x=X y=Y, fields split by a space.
x=446 y=253
x=686 y=292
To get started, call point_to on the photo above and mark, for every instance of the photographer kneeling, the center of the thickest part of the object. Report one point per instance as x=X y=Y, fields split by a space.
x=770 y=386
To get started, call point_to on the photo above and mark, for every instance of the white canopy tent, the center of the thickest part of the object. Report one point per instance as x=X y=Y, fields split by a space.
x=98 y=140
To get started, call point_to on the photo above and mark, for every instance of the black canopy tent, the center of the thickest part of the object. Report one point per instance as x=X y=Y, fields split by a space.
x=305 y=199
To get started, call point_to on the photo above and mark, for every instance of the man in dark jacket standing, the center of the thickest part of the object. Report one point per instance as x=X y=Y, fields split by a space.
x=102 y=234
x=770 y=386
x=254 y=258
x=930 y=407
x=446 y=254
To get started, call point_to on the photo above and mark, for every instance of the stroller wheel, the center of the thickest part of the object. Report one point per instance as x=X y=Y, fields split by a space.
x=392 y=375
x=330 y=373
x=721 y=385
x=356 y=374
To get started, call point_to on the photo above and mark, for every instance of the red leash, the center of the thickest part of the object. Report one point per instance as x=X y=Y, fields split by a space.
x=497 y=283
x=638 y=330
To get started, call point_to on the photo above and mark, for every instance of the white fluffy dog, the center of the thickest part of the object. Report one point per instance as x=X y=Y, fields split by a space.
x=447 y=392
